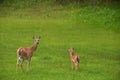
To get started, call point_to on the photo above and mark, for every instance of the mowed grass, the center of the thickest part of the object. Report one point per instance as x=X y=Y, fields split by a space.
x=98 y=47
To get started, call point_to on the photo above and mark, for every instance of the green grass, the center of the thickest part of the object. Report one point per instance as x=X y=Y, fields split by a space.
x=94 y=36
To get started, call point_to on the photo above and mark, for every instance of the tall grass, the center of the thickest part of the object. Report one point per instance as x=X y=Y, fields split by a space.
x=105 y=16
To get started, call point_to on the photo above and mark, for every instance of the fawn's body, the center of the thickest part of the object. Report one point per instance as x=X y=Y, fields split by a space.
x=25 y=53
x=75 y=59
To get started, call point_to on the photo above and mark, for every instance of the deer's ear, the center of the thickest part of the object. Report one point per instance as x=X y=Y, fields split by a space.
x=73 y=48
x=39 y=37
x=33 y=37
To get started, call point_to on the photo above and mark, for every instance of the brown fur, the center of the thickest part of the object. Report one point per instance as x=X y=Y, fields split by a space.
x=25 y=53
x=74 y=59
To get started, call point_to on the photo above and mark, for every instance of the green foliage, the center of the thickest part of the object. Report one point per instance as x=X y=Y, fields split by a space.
x=104 y=16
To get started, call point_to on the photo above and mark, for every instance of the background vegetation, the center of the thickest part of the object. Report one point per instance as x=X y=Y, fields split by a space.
x=90 y=26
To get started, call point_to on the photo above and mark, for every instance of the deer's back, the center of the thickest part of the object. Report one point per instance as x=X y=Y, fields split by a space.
x=24 y=52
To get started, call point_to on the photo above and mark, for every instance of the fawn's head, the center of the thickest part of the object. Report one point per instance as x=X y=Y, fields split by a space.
x=36 y=40
x=71 y=50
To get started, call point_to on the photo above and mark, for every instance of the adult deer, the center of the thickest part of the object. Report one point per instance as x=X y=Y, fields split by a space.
x=74 y=58
x=26 y=53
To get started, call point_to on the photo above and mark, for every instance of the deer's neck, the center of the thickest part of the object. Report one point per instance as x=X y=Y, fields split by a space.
x=34 y=47
x=72 y=54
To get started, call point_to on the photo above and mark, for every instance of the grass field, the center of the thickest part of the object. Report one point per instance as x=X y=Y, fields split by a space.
x=91 y=31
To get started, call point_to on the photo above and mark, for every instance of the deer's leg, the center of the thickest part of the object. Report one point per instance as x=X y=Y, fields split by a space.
x=28 y=69
x=17 y=64
x=72 y=64
x=22 y=64
x=76 y=66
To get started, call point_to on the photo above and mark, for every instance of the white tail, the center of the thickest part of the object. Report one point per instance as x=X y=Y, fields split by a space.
x=25 y=53
x=75 y=59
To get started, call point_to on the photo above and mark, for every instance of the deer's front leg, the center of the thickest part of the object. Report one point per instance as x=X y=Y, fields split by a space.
x=72 y=64
x=22 y=64
x=28 y=69
x=17 y=64
x=76 y=66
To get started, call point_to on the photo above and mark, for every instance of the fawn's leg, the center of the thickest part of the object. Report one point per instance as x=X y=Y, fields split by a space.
x=76 y=66
x=22 y=64
x=72 y=65
x=17 y=64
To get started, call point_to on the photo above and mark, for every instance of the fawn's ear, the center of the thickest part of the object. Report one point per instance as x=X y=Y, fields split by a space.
x=39 y=37
x=73 y=48
x=33 y=37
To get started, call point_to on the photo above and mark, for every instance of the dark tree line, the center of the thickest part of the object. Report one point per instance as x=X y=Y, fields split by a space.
x=1 y=1
x=91 y=1
x=62 y=1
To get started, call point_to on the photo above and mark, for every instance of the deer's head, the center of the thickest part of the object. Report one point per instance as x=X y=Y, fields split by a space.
x=36 y=40
x=71 y=50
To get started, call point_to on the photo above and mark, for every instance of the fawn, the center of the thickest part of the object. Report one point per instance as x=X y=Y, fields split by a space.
x=75 y=59
x=25 y=53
